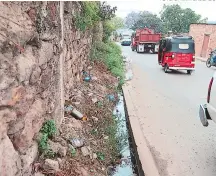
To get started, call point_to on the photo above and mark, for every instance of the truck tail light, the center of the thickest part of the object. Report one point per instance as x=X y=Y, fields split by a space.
x=209 y=90
x=193 y=58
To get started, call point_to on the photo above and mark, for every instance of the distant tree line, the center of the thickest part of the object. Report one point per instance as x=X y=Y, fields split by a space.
x=172 y=18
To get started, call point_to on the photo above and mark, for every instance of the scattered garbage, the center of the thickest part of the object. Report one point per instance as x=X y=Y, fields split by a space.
x=95 y=119
x=106 y=137
x=76 y=142
x=87 y=78
x=69 y=109
x=85 y=73
x=110 y=170
x=72 y=150
x=99 y=104
x=90 y=94
x=100 y=156
x=129 y=75
x=111 y=97
x=94 y=155
x=125 y=161
x=89 y=68
x=77 y=114
x=94 y=78
x=94 y=100
x=94 y=132
x=86 y=150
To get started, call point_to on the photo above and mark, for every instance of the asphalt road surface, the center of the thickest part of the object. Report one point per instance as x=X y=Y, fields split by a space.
x=169 y=104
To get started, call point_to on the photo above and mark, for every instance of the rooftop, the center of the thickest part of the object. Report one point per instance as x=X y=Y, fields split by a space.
x=208 y=23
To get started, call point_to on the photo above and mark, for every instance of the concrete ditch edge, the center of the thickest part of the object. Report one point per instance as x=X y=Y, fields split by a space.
x=145 y=156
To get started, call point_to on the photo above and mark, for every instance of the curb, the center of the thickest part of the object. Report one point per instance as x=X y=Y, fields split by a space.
x=145 y=156
x=201 y=59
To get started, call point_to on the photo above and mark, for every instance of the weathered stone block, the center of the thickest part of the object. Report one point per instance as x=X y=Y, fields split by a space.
x=10 y=163
x=29 y=158
x=45 y=53
x=23 y=140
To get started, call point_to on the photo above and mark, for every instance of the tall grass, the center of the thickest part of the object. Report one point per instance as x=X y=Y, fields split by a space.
x=110 y=54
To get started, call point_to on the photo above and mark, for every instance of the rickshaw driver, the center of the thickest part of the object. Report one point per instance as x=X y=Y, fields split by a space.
x=214 y=59
x=214 y=56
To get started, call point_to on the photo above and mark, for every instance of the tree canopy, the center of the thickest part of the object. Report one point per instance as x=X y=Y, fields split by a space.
x=149 y=20
x=172 y=18
x=117 y=22
x=177 y=19
x=131 y=19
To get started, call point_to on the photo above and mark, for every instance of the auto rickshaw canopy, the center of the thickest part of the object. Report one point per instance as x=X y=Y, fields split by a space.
x=177 y=44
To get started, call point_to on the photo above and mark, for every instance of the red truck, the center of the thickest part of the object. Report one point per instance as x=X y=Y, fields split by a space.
x=145 y=40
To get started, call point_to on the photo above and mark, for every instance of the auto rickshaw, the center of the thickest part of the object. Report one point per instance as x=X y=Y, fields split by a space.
x=177 y=53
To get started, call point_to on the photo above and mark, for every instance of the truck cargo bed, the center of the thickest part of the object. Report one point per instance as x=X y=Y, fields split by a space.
x=148 y=38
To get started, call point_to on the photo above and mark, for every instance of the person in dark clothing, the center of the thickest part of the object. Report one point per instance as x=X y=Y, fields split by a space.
x=213 y=55
x=214 y=58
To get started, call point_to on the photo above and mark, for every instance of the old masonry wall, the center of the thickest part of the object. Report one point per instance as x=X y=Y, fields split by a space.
x=42 y=55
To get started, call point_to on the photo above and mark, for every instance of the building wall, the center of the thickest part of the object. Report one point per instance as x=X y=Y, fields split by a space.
x=198 y=31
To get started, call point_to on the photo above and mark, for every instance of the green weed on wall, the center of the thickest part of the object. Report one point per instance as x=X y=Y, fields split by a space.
x=88 y=16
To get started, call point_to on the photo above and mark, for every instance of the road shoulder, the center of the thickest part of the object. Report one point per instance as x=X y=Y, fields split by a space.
x=145 y=155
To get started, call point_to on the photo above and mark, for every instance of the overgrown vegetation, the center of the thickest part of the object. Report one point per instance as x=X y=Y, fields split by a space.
x=105 y=51
x=48 y=130
x=93 y=11
x=88 y=16
x=117 y=138
x=110 y=54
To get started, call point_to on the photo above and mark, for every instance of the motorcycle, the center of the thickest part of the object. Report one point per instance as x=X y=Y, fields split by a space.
x=210 y=62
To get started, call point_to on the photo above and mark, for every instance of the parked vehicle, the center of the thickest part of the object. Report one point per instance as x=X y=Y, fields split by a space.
x=177 y=53
x=211 y=60
x=208 y=111
x=145 y=40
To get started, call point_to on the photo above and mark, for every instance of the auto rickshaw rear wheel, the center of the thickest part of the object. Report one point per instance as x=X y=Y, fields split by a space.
x=166 y=68
x=189 y=72
x=208 y=63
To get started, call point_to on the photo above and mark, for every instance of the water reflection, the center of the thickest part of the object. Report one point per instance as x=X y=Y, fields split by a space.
x=125 y=167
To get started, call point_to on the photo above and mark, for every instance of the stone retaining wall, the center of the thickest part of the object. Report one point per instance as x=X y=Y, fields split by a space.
x=38 y=68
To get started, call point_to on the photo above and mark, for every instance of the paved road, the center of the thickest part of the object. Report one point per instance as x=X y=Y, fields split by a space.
x=168 y=107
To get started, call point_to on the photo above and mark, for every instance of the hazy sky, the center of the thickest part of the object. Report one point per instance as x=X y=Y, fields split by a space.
x=206 y=8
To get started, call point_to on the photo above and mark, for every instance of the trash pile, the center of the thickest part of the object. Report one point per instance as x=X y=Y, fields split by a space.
x=83 y=144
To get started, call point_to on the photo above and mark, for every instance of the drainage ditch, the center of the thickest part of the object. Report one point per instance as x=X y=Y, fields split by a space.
x=130 y=164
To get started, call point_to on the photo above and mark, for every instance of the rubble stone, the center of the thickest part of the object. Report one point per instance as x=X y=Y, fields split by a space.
x=29 y=158
x=38 y=174
x=51 y=164
x=85 y=151
x=57 y=148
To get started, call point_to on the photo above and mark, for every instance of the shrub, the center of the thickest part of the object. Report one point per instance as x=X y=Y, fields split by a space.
x=48 y=130
x=108 y=28
x=110 y=54
x=88 y=16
